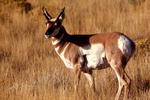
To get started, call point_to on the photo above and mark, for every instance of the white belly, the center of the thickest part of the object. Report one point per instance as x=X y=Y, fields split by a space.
x=94 y=55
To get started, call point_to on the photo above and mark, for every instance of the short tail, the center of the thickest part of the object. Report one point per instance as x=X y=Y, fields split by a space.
x=127 y=46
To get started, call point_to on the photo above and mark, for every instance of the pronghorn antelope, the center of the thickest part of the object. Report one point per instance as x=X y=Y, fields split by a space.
x=85 y=53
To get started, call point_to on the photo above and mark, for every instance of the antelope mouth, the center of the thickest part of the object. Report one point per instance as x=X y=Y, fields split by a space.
x=47 y=36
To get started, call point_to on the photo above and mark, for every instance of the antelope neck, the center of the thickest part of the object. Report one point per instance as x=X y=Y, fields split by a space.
x=59 y=37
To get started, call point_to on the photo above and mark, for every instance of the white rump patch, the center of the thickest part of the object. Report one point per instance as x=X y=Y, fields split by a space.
x=124 y=45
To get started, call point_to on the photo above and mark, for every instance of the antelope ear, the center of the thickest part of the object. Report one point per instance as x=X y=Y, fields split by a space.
x=61 y=15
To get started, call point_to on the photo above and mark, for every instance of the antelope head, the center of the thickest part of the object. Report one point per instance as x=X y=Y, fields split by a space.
x=53 y=24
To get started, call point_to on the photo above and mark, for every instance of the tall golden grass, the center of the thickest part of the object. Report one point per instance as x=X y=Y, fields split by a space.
x=31 y=70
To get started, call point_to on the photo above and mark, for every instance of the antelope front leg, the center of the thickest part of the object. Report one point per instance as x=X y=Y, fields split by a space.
x=91 y=81
x=77 y=71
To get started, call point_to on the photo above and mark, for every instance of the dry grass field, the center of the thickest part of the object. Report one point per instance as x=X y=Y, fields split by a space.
x=31 y=70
